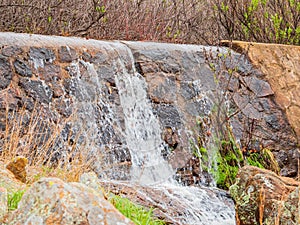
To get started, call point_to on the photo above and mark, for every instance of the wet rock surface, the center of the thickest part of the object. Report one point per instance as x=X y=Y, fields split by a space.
x=75 y=78
x=262 y=197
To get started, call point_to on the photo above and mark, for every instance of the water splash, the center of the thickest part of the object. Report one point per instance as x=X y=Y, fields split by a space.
x=201 y=206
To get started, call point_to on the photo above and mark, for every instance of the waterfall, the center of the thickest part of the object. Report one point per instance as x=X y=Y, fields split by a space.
x=143 y=133
x=200 y=206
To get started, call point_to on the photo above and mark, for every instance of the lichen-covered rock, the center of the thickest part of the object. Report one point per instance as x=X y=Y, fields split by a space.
x=91 y=180
x=262 y=197
x=50 y=201
x=289 y=211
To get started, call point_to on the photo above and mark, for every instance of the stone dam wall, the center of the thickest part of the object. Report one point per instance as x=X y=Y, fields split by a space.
x=62 y=76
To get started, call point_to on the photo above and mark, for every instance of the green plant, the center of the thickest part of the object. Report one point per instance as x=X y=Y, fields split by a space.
x=13 y=199
x=263 y=159
x=228 y=160
x=204 y=154
x=138 y=214
x=260 y=20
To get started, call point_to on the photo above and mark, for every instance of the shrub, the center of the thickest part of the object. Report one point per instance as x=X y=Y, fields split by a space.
x=189 y=21
x=275 y=21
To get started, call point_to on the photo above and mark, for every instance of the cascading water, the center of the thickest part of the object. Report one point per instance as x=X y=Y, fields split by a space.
x=96 y=123
x=143 y=133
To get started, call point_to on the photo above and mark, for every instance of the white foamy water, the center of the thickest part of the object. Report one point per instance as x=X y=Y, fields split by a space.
x=143 y=133
x=201 y=206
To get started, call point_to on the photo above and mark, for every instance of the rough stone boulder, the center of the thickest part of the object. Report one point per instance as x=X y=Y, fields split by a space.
x=52 y=201
x=262 y=197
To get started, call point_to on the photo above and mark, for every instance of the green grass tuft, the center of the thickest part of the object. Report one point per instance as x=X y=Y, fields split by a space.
x=138 y=214
x=13 y=199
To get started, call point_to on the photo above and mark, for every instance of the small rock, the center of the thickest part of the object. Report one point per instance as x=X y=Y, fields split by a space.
x=41 y=56
x=259 y=87
x=91 y=180
x=168 y=115
x=162 y=88
x=17 y=167
x=288 y=171
x=36 y=89
x=67 y=54
x=11 y=51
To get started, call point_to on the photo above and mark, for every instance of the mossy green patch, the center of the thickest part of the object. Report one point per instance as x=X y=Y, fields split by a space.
x=228 y=161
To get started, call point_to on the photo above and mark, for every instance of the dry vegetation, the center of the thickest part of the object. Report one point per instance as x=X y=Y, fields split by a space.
x=179 y=21
x=40 y=141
